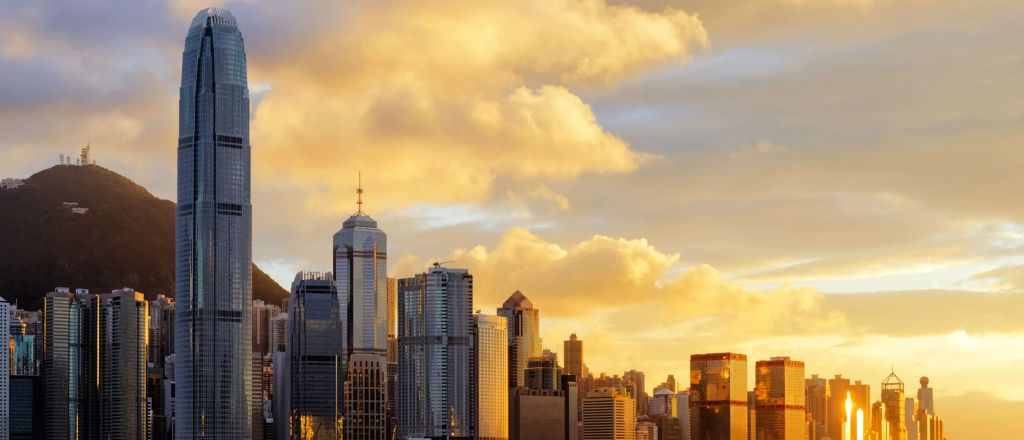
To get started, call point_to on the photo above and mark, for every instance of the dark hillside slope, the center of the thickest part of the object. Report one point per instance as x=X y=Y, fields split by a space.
x=125 y=239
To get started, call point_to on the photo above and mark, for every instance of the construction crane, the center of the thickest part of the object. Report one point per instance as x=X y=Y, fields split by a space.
x=442 y=263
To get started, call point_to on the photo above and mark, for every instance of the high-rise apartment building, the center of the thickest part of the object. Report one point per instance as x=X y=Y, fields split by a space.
x=279 y=333
x=780 y=400
x=490 y=377
x=892 y=398
x=262 y=313
x=816 y=394
x=161 y=330
x=718 y=396
x=313 y=383
x=609 y=413
x=213 y=246
x=523 y=335
x=124 y=332
x=435 y=314
x=69 y=365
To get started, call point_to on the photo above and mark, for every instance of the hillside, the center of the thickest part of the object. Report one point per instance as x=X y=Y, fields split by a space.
x=126 y=238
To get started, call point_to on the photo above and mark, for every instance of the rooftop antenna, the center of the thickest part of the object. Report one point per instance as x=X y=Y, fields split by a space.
x=359 y=195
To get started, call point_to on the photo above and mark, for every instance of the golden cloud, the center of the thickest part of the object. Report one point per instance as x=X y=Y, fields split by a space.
x=451 y=98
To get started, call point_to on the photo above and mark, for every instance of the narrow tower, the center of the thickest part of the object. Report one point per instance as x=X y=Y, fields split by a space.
x=213 y=277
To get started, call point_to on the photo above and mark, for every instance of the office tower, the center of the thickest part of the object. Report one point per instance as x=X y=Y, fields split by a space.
x=366 y=397
x=161 y=330
x=278 y=333
x=683 y=413
x=892 y=397
x=392 y=306
x=572 y=353
x=542 y=372
x=718 y=396
x=910 y=407
x=668 y=384
x=751 y=416
x=925 y=396
x=643 y=400
x=124 y=332
x=26 y=407
x=879 y=426
x=5 y=369
x=313 y=352
x=360 y=272
x=490 y=381
x=816 y=394
x=860 y=395
x=608 y=413
x=262 y=313
x=664 y=403
x=780 y=400
x=523 y=335
x=213 y=244
x=69 y=365
x=435 y=314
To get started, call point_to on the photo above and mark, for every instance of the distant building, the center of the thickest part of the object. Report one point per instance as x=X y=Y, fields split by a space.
x=435 y=314
x=860 y=396
x=542 y=372
x=683 y=413
x=816 y=394
x=524 y=339
x=161 y=330
x=10 y=183
x=664 y=403
x=646 y=430
x=608 y=413
x=572 y=353
x=314 y=386
x=490 y=368
x=643 y=400
x=780 y=400
x=278 y=333
x=26 y=407
x=124 y=323
x=925 y=396
x=892 y=398
x=262 y=314
x=69 y=365
x=718 y=399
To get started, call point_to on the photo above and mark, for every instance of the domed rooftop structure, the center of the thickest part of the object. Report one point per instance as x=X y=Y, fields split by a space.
x=517 y=301
x=924 y=381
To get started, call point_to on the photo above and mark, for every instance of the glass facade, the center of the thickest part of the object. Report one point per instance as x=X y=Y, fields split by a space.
x=314 y=387
x=490 y=357
x=124 y=331
x=779 y=400
x=435 y=312
x=213 y=234
x=360 y=272
x=718 y=396
x=523 y=335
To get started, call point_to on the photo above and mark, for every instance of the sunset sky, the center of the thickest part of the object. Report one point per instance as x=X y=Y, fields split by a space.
x=839 y=181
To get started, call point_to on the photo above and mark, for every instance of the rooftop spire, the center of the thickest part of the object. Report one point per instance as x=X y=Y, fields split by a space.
x=359 y=195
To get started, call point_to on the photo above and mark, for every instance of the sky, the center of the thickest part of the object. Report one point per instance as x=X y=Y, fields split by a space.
x=833 y=180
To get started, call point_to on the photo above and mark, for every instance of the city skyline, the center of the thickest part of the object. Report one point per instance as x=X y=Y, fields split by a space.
x=672 y=180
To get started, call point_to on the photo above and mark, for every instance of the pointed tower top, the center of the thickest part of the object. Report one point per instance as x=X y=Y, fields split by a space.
x=359 y=195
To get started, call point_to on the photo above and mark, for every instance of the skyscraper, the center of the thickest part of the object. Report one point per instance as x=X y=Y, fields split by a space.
x=435 y=313
x=69 y=365
x=925 y=396
x=542 y=372
x=860 y=397
x=213 y=249
x=643 y=400
x=892 y=398
x=523 y=335
x=490 y=371
x=313 y=383
x=572 y=353
x=161 y=330
x=609 y=413
x=360 y=273
x=124 y=331
x=780 y=400
x=816 y=395
x=718 y=396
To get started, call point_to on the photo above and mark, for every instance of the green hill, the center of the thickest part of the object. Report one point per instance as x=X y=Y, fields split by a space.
x=126 y=238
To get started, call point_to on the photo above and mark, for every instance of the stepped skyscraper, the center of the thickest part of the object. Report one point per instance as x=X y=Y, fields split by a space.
x=213 y=234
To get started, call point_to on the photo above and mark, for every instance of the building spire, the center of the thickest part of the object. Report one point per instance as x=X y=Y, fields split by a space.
x=359 y=195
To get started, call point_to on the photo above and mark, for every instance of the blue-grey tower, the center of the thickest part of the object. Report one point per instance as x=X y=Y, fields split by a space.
x=213 y=278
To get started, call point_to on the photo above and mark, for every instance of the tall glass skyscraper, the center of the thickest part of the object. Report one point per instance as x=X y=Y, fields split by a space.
x=490 y=377
x=213 y=234
x=523 y=335
x=779 y=399
x=718 y=396
x=360 y=272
